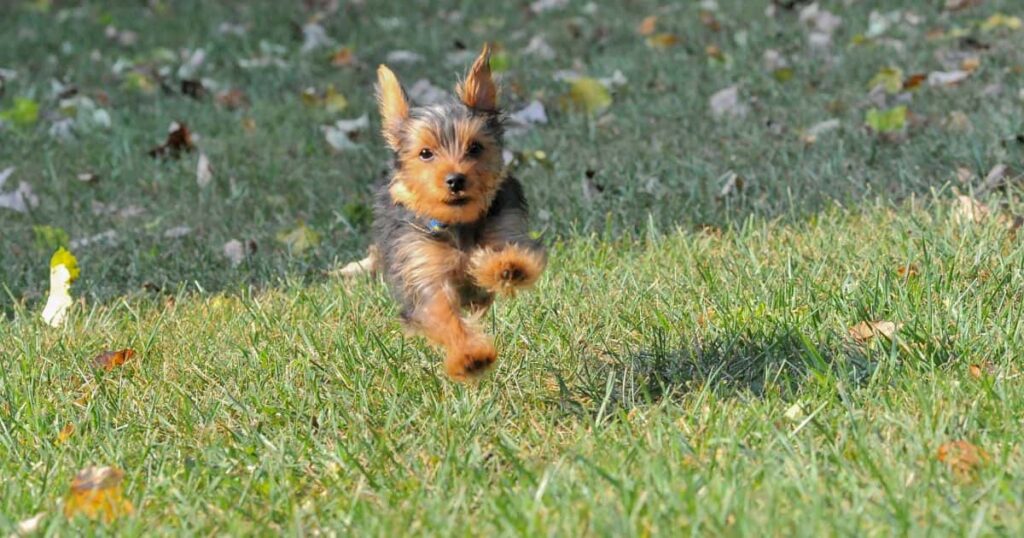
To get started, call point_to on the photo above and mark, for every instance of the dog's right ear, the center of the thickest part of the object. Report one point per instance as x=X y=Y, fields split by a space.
x=394 y=107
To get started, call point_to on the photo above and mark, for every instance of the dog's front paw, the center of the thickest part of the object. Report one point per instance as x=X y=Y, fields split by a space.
x=506 y=270
x=471 y=360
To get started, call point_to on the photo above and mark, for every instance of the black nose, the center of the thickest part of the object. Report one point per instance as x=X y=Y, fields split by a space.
x=456 y=182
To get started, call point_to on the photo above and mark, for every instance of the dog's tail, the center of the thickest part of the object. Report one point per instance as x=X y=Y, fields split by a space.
x=368 y=265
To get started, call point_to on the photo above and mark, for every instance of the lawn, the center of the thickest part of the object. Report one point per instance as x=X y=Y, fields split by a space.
x=761 y=317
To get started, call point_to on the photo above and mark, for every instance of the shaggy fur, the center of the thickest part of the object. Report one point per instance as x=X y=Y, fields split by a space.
x=446 y=250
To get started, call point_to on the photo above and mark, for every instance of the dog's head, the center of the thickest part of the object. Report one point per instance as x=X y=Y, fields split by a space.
x=449 y=155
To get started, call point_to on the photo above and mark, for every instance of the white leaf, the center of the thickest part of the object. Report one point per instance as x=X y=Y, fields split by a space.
x=314 y=37
x=204 y=172
x=29 y=525
x=531 y=114
x=540 y=6
x=338 y=139
x=538 y=46
x=424 y=93
x=234 y=251
x=353 y=125
x=460 y=58
x=403 y=57
x=820 y=20
x=21 y=199
x=192 y=64
x=57 y=303
x=109 y=237
x=177 y=232
x=947 y=78
x=726 y=103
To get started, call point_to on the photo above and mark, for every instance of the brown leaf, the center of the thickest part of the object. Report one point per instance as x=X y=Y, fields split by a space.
x=975 y=370
x=962 y=457
x=867 y=330
x=179 y=139
x=914 y=81
x=96 y=492
x=709 y=21
x=193 y=88
x=907 y=271
x=648 y=26
x=343 y=57
x=957 y=5
x=232 y=99
x=108 y=360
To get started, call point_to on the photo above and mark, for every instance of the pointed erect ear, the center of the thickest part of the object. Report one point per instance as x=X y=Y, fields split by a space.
x=478 y=90
x=394 y=108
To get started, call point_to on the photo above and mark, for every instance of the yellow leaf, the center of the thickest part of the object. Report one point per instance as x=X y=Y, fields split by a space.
x=589 y=95
x=299 y=239
x=890 y=78
x=334 y=101
x=662 y=41
x=67 y=259
x=65 y=433
x=867 y=330
x=96 y=493
x=1000 y=20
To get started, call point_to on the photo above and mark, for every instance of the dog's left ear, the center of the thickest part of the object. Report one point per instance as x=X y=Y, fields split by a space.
x=478 y=90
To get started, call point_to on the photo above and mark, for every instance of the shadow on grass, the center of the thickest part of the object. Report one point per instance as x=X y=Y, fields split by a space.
x=738 y=364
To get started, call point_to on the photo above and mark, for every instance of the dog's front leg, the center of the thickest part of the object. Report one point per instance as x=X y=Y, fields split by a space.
x=469 y=352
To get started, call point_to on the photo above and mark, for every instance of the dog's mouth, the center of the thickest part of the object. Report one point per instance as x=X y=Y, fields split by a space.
x=457 y=201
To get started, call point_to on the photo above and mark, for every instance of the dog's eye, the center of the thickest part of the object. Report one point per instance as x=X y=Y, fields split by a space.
x=426 y=154
x=475 y=149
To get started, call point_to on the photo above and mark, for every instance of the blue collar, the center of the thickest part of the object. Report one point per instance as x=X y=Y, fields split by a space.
x=436 y=226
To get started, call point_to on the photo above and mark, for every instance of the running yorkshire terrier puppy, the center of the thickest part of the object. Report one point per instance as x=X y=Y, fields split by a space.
x=450 y=227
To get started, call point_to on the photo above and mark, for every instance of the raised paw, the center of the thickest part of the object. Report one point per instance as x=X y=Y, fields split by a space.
x=471 y=361
x=506 y=270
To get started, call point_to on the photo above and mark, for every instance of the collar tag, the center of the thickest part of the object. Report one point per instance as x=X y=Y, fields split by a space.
x=436 y=226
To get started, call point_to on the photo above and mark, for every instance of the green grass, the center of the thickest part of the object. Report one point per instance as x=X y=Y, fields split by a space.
x=683 y=367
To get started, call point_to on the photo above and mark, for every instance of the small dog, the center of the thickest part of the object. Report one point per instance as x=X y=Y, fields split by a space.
x=450 y=227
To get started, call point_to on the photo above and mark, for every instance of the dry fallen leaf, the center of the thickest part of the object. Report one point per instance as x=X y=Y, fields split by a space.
x=343 y=57
x=97 y=492
x=204 y=172
x=957 y=5
x=970 y=211
x=108 y=360
x=867 y=330
x=648 y=26
x=947 y=78
x=299 y=239
x=179 y=140
x=232 y=99
x=905 y=271
x=663 y=40
x=588 y=95
x=975 y=370
x=726 y=103
x=65 y=433
x=29 y=526
x=963 y=457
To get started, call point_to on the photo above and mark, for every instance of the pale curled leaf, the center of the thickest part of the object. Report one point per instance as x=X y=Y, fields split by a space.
x=868 y=330
x=28 y=526
x=204 y=172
